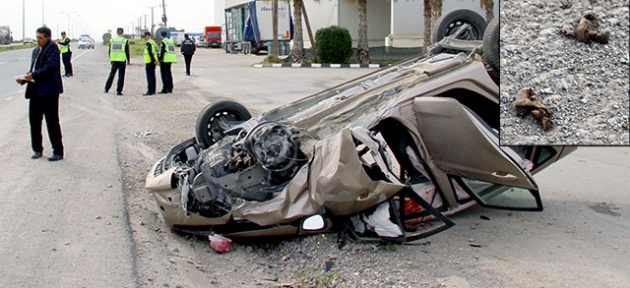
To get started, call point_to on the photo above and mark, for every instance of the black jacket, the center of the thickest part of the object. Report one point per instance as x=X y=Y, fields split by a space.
x=46 y=72
x=188 y=47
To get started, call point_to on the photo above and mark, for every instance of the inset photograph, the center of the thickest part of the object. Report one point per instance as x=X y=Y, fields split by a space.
x=564 y=72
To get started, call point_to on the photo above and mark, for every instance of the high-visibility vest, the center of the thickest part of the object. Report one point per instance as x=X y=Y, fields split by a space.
x=64 y=48
x=169 y=55
x=117 y=49
x=147 y=58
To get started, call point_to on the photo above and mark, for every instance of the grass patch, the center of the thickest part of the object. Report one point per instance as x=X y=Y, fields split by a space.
x=136 y=47
x=387 y=247
x=326 y=280
x=17 y=47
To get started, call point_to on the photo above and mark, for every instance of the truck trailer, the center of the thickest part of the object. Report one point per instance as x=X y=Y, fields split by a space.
x=5 y=35
x=249 y=26
x=212 y=37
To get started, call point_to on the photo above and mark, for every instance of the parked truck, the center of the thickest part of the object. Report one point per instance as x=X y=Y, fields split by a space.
x=5 y=35
x=249 y=26
x=212 y=36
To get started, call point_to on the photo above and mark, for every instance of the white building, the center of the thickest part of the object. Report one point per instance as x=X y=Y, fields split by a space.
x=397 y=23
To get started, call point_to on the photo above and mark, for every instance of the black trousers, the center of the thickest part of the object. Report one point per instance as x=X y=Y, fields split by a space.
x=188 y=59
x=167 y=77
x=67 y=64
x=150 y=69
x=120 y=67
x=40 y=107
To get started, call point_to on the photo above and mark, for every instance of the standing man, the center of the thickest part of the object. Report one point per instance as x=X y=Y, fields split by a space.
x=150 y=60
x=66 y=54
x=43 y=89
x=167 y=57
x=188 y=49
x=119 y=57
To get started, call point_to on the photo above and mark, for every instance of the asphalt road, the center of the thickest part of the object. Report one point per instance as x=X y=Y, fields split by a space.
x=12 y=63
x=15 y=63
x=63 y=224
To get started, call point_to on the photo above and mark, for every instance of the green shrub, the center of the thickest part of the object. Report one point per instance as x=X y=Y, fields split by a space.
x=333 y=44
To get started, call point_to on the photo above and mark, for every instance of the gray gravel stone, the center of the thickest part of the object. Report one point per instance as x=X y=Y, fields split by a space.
x=579 y=82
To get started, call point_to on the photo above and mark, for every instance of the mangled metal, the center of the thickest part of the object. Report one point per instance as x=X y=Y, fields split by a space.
x=380 y=155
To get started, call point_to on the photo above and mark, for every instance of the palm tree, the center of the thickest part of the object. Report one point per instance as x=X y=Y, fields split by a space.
x=432 y=11
x=488 y=5
x=297 y=51
x=363 y=49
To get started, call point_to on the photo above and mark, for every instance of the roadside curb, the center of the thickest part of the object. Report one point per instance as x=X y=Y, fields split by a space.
x=318 y=65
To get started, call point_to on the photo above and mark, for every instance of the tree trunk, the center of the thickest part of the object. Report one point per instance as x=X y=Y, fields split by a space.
x=363 y=49
x=426 y=42
x=488 y=5
x=275 y=28
x=297 y=53
x=310 y=34
x=432 y=12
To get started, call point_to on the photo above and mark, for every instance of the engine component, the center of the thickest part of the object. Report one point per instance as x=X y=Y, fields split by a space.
x=272 y=146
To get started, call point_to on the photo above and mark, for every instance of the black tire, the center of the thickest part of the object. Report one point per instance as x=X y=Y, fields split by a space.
x=491 y=45
x=207 y=128
x=450 y=22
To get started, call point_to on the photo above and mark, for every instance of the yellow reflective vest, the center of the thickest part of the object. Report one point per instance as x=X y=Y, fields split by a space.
x=117 y=49
x=64 y=48
x=169 y=54
x=147 y=57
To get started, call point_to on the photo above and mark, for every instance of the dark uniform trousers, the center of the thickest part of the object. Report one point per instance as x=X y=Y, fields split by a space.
x=188 y=59
x=167 y=77
x=40 y=107
x=150 y=69
x=67 y=64
x=120 y=67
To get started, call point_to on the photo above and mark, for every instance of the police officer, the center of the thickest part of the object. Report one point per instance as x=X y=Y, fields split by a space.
x=167 y=57
x=118 y=55
x=188 y=49
x=66 y=54
x=150 y=60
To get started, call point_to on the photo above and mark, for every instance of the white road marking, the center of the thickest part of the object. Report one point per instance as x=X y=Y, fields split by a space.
x=9 y=98
x=3 y=63
x=23 y=58
x=75 y=58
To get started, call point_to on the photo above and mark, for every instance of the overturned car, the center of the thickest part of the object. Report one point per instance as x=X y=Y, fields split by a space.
x=386 y=156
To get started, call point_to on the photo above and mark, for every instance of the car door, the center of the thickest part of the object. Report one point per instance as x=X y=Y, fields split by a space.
x=463 y=146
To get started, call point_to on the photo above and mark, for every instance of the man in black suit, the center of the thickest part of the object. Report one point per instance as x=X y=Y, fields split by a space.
x=43 y=89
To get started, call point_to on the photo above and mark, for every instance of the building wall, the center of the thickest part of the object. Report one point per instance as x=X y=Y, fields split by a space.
x=321 y=14
x=407 y=28
x=378 y=18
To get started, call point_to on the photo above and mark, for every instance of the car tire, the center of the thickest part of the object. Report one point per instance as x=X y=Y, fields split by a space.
x=448 y=23
x=491 y=44
x=207 y=129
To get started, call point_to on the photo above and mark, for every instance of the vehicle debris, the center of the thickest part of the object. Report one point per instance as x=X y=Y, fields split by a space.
x=528 y=101
x=219 y=243
x=384 y=157
x=586 y=30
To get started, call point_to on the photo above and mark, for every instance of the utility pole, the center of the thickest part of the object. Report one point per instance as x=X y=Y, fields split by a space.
x=164 y=15
x=152 y=22
x=145 y=22
x=23 y=21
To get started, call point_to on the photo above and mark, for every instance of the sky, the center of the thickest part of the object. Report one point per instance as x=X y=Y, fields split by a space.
x=95 y=17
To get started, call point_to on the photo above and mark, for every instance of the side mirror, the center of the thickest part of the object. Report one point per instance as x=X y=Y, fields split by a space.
x=314 y=223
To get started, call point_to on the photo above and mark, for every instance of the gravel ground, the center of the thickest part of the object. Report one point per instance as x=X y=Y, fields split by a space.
x=585 y=85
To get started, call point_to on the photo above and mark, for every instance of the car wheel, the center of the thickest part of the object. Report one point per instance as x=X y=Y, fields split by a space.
x=449 y=23
x=491 y=44
x=217 y=117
